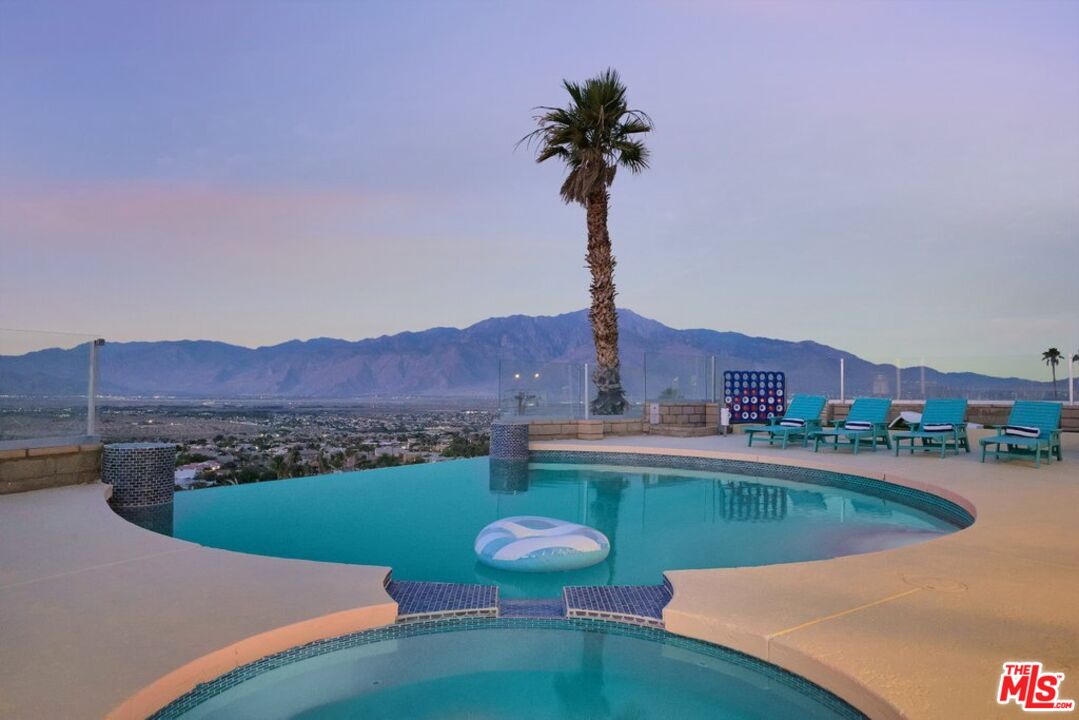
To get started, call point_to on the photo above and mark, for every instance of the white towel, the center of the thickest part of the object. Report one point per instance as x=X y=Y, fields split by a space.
x=1022 y=431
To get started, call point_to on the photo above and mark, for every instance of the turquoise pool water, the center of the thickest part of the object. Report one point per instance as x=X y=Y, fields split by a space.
x=422 y=520
x=526 y=670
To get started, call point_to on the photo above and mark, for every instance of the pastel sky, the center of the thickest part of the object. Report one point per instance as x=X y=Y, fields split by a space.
x=899 y=179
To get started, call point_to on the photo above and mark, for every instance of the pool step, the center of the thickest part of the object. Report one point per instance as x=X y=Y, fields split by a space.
x=636 y=604
x=417 y=601
x=551 y=608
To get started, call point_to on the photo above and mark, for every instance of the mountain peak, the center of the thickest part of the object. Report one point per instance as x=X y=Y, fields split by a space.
x=439 y=361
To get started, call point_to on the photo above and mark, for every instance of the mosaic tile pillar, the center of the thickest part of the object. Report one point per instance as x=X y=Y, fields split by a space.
x=508 y=477
x=141 y=474
x=509 y=441
x=157 y=518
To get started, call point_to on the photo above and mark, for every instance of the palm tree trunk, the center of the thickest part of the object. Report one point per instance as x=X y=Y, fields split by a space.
x=1053 y=367
x=610 y=397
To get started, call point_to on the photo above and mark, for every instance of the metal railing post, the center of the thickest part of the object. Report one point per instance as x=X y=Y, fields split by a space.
x=715 y=396
x=91 y=389
x=644 y=377
x=1071 y=380
x=842 y=380
x=584 y=392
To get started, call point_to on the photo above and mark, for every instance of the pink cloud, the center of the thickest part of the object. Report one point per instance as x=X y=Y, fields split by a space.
x=120 y=216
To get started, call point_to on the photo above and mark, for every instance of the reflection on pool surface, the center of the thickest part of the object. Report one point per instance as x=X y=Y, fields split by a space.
x=527 y=670
x=422 y=520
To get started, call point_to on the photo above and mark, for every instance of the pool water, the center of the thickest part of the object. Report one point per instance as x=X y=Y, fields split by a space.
x=422 y=520
x=527 y=670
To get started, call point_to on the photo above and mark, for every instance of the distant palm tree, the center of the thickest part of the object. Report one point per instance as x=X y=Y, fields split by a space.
x=595 y=135
x=1052 y=359
x=279 y=464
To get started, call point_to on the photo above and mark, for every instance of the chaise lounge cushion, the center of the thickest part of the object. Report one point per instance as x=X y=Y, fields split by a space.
x=938 y=427
x=858 y=425
x=792 y=422
x=1025 y=431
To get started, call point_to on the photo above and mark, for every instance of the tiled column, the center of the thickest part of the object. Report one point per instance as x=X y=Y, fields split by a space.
x=509 y=441
x=141 y=474
x=508 y=477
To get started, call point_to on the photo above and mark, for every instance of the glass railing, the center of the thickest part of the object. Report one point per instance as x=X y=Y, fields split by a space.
x=47 y=386
x=1001 y=378
x=632 y=373
x=562 y=390
x=672 y=378
x=541 y=390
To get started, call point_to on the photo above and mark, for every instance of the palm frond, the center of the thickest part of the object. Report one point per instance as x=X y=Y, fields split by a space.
x=591 y=135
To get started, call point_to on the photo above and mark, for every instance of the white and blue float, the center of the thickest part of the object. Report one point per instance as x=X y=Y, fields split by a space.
x=530 y=543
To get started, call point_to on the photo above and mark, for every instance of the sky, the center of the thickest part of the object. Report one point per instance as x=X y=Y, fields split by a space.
x=897 y=179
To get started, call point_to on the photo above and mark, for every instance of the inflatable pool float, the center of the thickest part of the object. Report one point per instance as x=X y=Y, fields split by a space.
x=529 y=543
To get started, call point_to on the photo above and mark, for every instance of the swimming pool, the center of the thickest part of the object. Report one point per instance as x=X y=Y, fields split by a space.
x=422 y=520
x=525 y=669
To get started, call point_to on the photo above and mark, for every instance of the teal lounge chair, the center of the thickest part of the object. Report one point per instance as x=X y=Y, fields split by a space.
x=1030 y=427
x=802 y=418
x=943 y=427
x=867 y=422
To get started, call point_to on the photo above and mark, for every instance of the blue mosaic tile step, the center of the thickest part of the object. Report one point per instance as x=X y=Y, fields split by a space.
x=638 y=604
x=429 y=600
x=518 y=608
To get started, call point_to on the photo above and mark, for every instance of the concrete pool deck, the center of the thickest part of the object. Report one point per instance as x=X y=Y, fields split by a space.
x=95 y=611
x=100 y=618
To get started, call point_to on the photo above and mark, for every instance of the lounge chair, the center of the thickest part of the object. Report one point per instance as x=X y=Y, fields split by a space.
x=1031 y=426
x=943 y=427
x=867 y=422
x=802 y=418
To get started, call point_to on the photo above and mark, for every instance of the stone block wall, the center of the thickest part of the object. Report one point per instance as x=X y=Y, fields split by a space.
x=622 y=427
x=691 y=414
x=593 y=429
x=692 y=419
x=684 y=419
x=1069 y=419
x=988 y=413
x=37 y=468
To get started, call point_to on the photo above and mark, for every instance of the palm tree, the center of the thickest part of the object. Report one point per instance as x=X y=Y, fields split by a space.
x=595 y=135
x=1052 y=359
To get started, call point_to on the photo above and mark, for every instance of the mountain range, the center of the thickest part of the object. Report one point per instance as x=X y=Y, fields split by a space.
x=450 y=362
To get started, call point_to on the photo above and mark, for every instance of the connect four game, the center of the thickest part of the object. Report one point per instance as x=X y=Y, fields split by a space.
x=754 y=395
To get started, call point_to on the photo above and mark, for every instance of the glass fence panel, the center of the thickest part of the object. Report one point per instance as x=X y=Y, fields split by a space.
x=44 y=379
x=674 y=377
x=1000 y=378
x=540 y=390
x=633 y=383
x=1028 y=376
